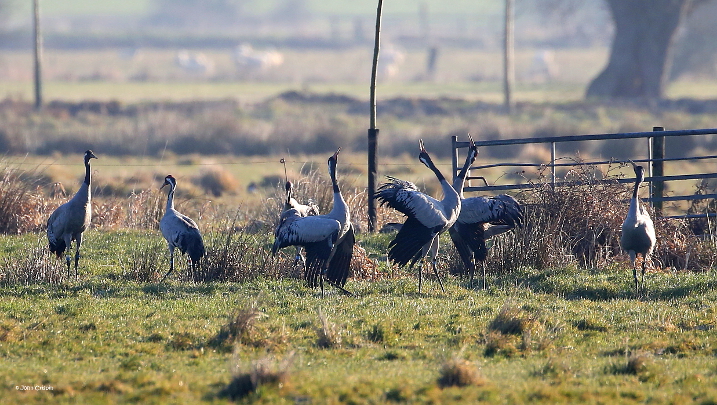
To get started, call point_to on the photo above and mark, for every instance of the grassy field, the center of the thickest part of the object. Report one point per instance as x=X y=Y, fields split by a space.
x=557 y=336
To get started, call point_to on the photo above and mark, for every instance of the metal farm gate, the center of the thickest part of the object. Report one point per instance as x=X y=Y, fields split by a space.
x=655 y=160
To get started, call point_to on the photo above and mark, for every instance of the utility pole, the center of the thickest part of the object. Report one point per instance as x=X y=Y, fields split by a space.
x=508 y=55
x=38 y=53
x=373 y=131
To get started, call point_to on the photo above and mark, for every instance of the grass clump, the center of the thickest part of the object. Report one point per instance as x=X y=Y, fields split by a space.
x=32 y=265
x=328 y=334
x=241 y=326
x=264 y=372
x=459 y=372
x=511 y=320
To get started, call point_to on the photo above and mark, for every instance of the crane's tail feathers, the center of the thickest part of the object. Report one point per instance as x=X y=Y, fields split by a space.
x=58 y=247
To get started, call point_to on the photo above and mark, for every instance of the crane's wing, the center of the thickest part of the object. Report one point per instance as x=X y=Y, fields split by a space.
x=409 y=241
x=191 y=242
x=340 y=264
x=317 y=253
x=55 y=229
x=499 y=210
x=404 y=197
x=188 y=221
x=302 y=231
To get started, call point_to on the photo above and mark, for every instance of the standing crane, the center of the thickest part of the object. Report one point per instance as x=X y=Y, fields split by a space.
x=180 y=231
x=638 y=232
x=328 y=239
x=426 y=218
x=69 y=220
x=471 y=229
x=302 y=210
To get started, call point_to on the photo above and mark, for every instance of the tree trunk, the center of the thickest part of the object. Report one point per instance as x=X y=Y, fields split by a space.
x=641 y=52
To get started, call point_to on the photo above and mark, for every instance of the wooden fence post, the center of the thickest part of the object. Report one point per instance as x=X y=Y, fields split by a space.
x=373 y=131
x=656 y=160
x=37 y=53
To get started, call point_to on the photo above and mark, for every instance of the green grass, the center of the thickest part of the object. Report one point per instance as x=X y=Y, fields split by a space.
x=583 y=336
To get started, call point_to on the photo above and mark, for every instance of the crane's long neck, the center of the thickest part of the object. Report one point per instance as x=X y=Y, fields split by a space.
x=634 y=201
x=451 y=199
x=170 y=197
x=84 y=193
x=459 y=181
x=340 y=210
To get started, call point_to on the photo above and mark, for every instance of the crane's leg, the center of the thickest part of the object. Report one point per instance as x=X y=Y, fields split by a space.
x=644 y=265
x=435 y=271
x=434 y=259
x=633 y=257
x=171 y=263
x=484 y=273
x=68 y=250
x=420 y=271
x=78 y=241
x=321 y=281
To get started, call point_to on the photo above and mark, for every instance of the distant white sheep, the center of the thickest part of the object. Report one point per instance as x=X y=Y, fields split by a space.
x=194 y=62
x=389 y=61
x=248 y=58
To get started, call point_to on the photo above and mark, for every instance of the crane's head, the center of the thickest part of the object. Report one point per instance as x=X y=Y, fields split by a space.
x=89 y=155
x=639 y=172
x=169 y=181
x=472 y=149
x=423 y=155
x=332 y=163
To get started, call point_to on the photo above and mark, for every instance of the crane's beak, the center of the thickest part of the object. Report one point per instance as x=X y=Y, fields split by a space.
x=421 y=145
x=337 y=152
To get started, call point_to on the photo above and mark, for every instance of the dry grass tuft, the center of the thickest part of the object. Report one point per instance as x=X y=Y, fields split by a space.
x=235 y=254
x=267 y=371
x=459 y=372
x=32 y=264
x=241 y=325
x=23 y=206
x=329 y=335
x=511 y=320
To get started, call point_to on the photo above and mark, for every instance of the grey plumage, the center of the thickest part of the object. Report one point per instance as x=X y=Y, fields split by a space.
x=180 y=231
x=638 y=231
x=426 y=218
x=328 y=239
x=71 y=219
x=480 y=218
x=294 y=208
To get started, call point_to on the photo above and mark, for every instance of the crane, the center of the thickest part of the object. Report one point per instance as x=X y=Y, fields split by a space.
x=426 y=218
x=71 y=219
x=180 y=231
x=638 y=232
x=471 y=230
x=328 y=239
x=302 y=210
